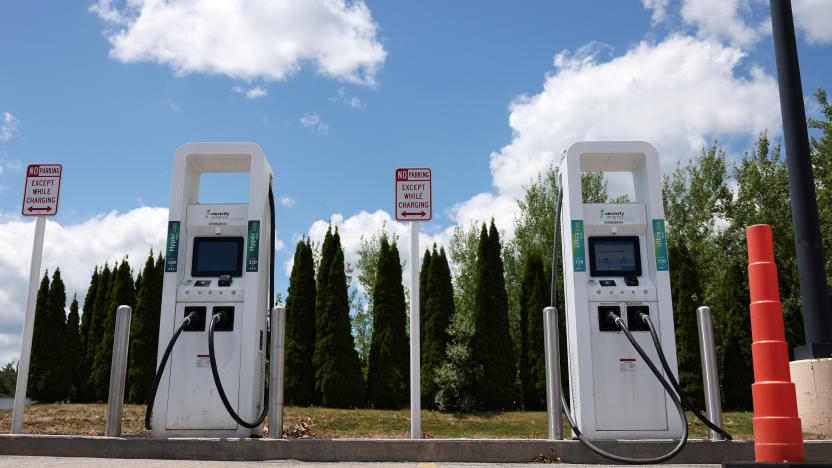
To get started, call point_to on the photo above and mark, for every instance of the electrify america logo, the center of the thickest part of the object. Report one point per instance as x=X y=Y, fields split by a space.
x=215 y=218
x=612 y=217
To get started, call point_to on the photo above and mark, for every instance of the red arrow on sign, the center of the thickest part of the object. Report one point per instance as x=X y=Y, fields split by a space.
x=45 y=208
x=407 y=213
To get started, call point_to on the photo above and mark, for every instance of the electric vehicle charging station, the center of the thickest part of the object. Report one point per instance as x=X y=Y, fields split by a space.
x=615 y=260
x=219 y=260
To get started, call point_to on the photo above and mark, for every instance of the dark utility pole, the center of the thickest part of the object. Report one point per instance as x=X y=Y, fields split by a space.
x=817 y=318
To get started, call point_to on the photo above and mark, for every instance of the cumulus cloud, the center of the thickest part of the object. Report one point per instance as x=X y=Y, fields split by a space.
x=659 y=8
x=251 y=93
x=286 y=201
x=677 y=94
x=739 y=22
x=253 y=39
x=814 y=17
x=8 y=125
x=722 y=20
x=76 y=250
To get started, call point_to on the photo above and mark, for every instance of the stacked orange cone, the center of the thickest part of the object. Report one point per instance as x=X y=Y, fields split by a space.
x=778 y=436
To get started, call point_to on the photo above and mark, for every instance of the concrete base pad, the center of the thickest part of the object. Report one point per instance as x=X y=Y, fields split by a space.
x=813 y=385
x=373 y=450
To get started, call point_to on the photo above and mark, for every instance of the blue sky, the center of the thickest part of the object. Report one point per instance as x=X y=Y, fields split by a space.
x=485 y=93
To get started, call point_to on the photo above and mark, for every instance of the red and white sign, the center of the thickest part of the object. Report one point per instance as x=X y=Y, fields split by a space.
x=43 y=186
x=413 y=194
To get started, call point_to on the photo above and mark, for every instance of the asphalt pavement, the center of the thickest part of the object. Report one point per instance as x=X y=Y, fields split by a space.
x=49 y=462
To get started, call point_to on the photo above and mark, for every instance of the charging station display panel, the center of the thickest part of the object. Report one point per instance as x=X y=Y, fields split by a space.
x=614 y=256
x=215 y=256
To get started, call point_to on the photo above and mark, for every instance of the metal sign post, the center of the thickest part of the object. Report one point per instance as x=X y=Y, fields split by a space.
x=414 y=203
x=40 y=198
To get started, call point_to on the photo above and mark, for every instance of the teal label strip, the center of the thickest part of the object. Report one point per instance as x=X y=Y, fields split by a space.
x=578 y=250
x=660 y=245
x=172 y=250
x=253 y=249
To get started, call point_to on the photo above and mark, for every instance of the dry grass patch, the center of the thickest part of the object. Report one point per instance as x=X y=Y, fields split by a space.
x=89 y=419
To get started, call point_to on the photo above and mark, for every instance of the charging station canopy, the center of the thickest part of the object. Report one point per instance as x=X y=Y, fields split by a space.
x=413 y=194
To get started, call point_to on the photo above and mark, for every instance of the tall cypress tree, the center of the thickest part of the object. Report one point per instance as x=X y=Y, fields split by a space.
x=387 y=376
x=491 y=343
x=72 y=355
x=96 y=330
x=49 y=382
x=328 y=249
x=144 y=333
x=39 y=362
x=424 y=291
x=338 y=376
x=300 y=329
x=86 y=318
x=438 y=313
x=534 y=294
x=686 y=292
x=122 y=293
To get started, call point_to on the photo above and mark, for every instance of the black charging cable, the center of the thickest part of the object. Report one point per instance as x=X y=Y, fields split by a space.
x=565 y=406
x=685 y=400
x=149 y=411
x=222 y=317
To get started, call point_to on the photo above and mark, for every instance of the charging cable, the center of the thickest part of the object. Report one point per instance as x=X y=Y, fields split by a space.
x=217 y=318
x=222 y=317
x=187 y=321
x=685 y=400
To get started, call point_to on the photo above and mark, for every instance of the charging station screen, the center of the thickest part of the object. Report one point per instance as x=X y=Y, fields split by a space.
x=215 y=256
x=614 y=256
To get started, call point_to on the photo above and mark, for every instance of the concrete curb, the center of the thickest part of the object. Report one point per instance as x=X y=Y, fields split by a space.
x=374 y=450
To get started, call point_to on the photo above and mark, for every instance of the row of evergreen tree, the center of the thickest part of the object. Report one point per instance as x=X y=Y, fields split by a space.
x=71 y=354
x=321 y=349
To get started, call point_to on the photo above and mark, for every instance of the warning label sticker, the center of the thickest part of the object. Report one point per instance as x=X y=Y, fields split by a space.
x=627 y=364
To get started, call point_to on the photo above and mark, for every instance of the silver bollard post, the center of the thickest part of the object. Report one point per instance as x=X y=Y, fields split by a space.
x=278 y=347
x=552 y=350
x=707 y=353
x=118 y=371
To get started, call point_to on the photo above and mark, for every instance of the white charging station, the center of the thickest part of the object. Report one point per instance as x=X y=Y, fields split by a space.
x=615 y=259
x=217 y=259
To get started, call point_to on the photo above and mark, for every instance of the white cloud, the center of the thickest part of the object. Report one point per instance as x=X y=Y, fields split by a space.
x=677 y=94
x=314 y=121
x=721 y=20
x=659 y=8
x=286 y=201
x=814 y=17
x=252 y=93
x=739 y=22
x=310 y=120
x=76 y=250
x=253 y=39
x=8 y=125
x=352 y=101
